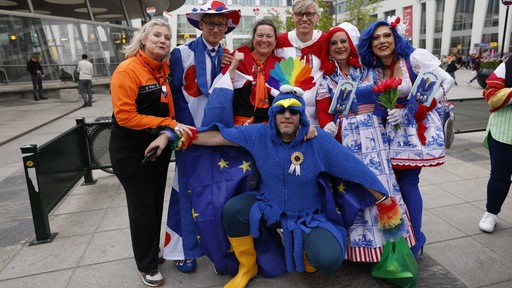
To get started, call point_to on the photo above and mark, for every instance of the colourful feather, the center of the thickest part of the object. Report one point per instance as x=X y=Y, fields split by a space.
x=277 y=76
x=287 y=66
x=293 y=72
x=390 y=220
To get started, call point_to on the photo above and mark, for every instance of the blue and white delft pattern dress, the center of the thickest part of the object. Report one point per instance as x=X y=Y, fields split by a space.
x=406 y=149
x=364 y=135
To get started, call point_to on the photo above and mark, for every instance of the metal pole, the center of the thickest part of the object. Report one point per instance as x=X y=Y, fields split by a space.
x=504 y=33
x=125 y=12
x=91 y=15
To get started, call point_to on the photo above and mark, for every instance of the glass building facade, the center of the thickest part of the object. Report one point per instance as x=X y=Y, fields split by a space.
x=60 y=31
x=60 y=44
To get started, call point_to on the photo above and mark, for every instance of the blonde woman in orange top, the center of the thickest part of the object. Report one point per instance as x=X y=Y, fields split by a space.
x=143 y=109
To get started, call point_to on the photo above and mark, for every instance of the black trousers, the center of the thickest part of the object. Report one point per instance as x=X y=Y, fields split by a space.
x=144 y=186
x=501 y=171
x=37 y=85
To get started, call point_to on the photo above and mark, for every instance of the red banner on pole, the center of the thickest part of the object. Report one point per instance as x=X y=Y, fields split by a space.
x=408 y=21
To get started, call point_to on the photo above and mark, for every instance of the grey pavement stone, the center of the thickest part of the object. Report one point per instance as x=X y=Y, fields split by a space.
x=114 y=218
x=6 y=254
x=79 y=223
x=57 y=279
x=506 y=209
x=120 y=273
x=84 y=202
x=61 y=254
x=506 y=284
x=119 y=199
x=499 y=242
x=436 y=229
x=464 y=217
x=467 y=190
x=108 y=246
x=437 y=175
x=471 y=262
x=435 y=196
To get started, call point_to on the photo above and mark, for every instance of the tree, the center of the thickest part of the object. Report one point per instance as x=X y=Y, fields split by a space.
x=326 y=15
x=287 y=25
x=360 y=12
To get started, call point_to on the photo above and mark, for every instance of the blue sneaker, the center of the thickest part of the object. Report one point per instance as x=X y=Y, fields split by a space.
x=186 y=266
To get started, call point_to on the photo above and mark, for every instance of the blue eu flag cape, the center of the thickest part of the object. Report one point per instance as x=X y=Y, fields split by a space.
x=208 y=178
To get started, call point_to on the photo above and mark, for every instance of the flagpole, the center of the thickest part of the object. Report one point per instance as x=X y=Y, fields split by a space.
x=506 y=3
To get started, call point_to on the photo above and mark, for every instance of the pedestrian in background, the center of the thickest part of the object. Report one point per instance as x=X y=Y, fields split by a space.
x=498 y=140
x=451 y=68
x=36 y=74
x=476 y=66
x=85 y=71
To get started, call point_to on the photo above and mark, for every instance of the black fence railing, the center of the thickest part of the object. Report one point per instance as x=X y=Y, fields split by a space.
x=54 y=168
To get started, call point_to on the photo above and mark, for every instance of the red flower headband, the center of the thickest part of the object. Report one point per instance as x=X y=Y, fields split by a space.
x=394 y=22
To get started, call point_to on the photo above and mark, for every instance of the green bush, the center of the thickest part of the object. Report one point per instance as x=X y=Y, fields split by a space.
x=490 y=64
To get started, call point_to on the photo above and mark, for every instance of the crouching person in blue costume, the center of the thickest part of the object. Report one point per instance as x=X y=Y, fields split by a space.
x=289 y=196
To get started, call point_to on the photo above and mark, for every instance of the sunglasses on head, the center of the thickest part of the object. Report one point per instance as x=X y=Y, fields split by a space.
x=292 y=111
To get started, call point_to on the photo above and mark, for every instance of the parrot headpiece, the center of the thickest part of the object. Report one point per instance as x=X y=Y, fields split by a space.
x=291 y=77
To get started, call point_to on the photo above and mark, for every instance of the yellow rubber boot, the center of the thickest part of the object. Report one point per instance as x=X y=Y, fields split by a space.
x=307 y=266
x=246 y=255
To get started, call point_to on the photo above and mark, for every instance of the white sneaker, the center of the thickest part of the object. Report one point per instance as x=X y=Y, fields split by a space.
x=153 y=279
x=488 y=222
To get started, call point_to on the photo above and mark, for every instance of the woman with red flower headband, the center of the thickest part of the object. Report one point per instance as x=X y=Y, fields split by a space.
x=360 y=131
x=419 y=141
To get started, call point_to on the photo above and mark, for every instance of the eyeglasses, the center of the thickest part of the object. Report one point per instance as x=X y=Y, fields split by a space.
x=308 y=15
x=211 y=26
x=293 y=112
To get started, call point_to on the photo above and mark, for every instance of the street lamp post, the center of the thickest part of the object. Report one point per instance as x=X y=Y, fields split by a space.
x=506 y=3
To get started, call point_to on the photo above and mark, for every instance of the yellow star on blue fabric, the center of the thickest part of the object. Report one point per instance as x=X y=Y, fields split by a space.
x=245 y=166
x=194 y=214
x=223 y=164
x=341 y=187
